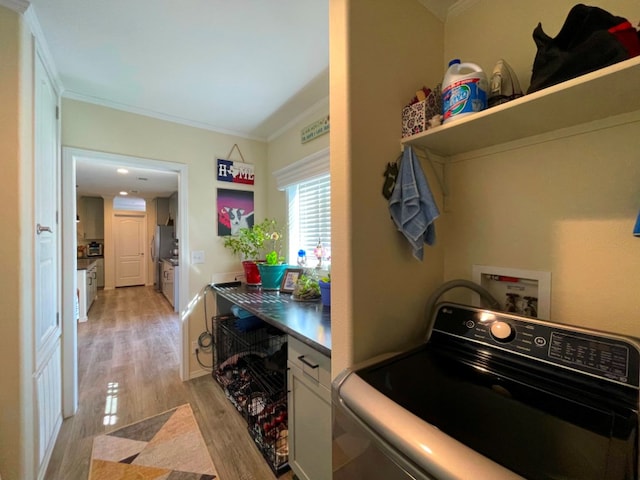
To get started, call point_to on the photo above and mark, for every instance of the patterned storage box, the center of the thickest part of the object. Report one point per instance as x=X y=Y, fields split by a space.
x=415 y=117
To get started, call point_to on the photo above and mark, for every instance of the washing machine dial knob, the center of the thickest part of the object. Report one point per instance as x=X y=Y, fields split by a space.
x=502 y=331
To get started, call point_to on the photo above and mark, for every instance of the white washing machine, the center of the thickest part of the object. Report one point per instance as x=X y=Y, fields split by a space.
x=492 y=396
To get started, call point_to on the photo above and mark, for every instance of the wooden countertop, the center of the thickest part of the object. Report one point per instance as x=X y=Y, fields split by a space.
x=309 y=322
x=86 y=263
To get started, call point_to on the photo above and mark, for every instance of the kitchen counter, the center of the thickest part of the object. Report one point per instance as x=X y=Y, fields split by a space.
x=173 y=261
x=309 y=322
x=86 y=263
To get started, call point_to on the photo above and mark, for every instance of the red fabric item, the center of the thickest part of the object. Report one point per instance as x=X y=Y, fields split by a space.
x=628 y=37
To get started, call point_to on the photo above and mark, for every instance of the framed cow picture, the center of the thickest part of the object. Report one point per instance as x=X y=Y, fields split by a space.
x=235 y=211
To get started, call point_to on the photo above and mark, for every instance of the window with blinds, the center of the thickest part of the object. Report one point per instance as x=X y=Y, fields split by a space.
x=310 y=219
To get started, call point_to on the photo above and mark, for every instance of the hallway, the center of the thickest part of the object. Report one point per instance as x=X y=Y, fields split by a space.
x=129 y=370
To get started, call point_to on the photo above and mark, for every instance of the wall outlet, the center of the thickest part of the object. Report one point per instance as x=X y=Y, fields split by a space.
x=194 y=347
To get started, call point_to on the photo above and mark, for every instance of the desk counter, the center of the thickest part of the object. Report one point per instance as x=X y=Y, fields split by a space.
x=309 y=322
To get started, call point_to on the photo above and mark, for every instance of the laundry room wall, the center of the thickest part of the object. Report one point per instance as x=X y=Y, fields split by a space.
x=381 y=53
x=565 y=205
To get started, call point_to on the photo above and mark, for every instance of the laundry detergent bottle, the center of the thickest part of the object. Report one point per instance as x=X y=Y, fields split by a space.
x=464 y=90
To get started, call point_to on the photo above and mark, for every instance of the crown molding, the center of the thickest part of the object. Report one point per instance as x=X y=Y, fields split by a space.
x=19 y=6
x=319 y=105
x=460 y=7
x=157 y=115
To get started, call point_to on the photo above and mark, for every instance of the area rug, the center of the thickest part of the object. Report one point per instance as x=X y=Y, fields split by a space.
x=168 y=446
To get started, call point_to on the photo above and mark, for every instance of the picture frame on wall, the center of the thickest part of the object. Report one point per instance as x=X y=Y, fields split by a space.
x=235 y=211
x=290 y=279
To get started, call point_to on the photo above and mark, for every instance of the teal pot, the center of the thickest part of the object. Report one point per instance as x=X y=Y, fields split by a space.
x=271 y=275
x=325 y=293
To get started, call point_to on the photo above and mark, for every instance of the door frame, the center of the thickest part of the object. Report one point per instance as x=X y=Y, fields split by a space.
x=69 y=325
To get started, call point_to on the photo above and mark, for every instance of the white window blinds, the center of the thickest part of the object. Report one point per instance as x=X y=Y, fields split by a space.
x=308 y=187
x=310 y=219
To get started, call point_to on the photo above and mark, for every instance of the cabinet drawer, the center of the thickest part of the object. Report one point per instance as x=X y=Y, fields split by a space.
x=168 y=275
x=312 y=363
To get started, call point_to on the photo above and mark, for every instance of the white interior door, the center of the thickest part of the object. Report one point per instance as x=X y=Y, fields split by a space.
x=129 y=235
x=47 y=374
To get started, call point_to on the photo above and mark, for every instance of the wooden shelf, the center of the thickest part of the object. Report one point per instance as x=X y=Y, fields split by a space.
x=595 y=96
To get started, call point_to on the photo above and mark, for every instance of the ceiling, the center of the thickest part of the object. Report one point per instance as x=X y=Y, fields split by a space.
x=101 y=179
x=244 y=67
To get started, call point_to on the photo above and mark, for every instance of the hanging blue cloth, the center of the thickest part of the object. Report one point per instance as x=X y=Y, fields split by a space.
x=412 y=206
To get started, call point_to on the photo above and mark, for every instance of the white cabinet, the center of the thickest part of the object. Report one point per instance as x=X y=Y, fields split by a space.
x=162 y=210
x=92 y=218
x=309 y=411
x=82 y=295
x=87 y=288
x=92 y=284
x=100 y=272
x=168 y=282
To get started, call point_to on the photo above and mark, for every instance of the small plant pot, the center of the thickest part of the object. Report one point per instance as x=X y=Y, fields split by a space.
x=251 y=272
x=271 y=275
x=325 y=293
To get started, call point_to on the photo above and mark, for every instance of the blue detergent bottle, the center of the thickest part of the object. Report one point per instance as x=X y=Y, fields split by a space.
x=464 y=90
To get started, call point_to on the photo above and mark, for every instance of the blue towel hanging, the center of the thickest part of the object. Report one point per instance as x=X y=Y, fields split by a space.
x=412 y=206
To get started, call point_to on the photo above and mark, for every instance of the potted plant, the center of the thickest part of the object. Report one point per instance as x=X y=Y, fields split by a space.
x=273 y=268
x=306 y=288
x=248 y=245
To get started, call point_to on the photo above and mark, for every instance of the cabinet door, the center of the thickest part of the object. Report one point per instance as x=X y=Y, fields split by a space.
x=100 y=272
x=167 y=281
x=162 y=211
x=94 y=218
x=309 y=404
x=309 y=426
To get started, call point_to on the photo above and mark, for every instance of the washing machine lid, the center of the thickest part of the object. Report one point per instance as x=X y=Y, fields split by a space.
x=526 y=428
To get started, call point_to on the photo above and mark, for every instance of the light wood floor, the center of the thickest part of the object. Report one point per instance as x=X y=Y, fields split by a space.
x=129 y=349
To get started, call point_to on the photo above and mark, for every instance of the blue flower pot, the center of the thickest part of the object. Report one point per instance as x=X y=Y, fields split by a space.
x=325 y=293
x=271 y=275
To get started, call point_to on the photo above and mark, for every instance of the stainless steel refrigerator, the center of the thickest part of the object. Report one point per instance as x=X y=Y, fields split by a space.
x=162 y=245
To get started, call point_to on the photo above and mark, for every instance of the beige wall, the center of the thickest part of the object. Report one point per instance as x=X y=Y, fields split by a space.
x=286 y=149
x=10 y=248
x=103 y=129
x=381 y=53
x=566 y=206
x=17 y=428
x=562 y=205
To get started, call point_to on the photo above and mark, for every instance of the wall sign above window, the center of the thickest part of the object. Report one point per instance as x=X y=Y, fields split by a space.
x=316 y=129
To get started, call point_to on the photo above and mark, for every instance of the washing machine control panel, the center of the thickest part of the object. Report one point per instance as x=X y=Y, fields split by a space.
x=599 y=354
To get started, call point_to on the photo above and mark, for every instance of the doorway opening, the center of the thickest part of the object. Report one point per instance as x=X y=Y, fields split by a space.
x=70 y=158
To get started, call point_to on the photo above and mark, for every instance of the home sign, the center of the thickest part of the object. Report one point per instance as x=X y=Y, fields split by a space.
x=235 y=172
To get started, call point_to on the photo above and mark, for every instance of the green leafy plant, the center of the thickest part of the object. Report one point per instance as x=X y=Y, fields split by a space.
x=247 y=243
x=273 y=241
x=306 y=288
x=251 y=243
